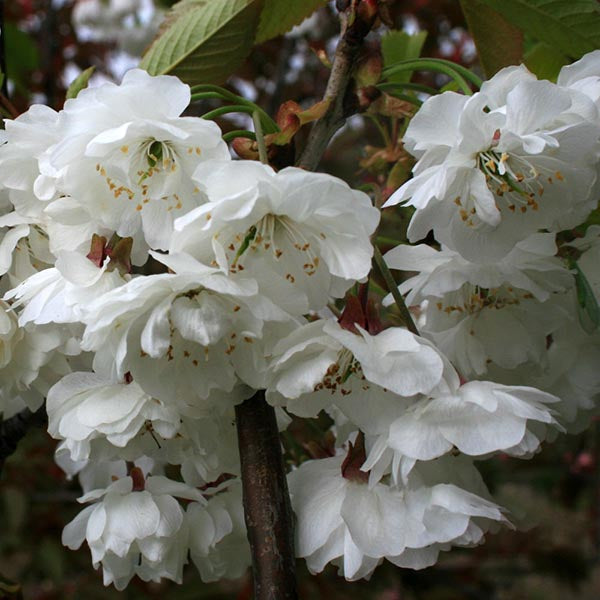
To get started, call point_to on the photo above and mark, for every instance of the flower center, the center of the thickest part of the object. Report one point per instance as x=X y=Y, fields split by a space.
x=158 y=156
x=277 y=234
x=473 y=299
x=339 y=373
x=516 y=179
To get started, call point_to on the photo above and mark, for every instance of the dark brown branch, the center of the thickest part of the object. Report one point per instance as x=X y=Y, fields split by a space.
x=14 y=429
x=338 y=86
x=267 y=509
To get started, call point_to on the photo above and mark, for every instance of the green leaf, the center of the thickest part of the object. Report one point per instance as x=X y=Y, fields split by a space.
x=279 y=16
x=570 y=26
x=80 y=82
x=204 y=41
x=397 y=46
x=545 y=61
x=22 y=56
x=498 y=42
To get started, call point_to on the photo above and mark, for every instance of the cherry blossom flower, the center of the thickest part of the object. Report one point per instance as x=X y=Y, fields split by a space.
x=134 y=526
x=276 y=228
x=496 y=174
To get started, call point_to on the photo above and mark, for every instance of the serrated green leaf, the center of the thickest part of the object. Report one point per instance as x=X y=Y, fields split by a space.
x=397 y=46
x=204 y=41
x=80 y=82
x=498 y=42
x=279 y=16
x=571 y=26
x=545 y=61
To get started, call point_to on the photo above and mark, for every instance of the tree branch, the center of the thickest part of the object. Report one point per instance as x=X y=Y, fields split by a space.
x=357 y=21
x=267 y=509
x=14 y=429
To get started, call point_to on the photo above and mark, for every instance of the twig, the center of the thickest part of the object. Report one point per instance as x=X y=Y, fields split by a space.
x=14 y=429
x=392 y=286
x=336 y=92
x=267 y=509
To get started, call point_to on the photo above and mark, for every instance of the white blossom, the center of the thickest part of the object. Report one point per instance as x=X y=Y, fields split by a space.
x=499 y=173
x=85 y=410
x=321 y=364
x=134 y=531
x=530 y=266
x=303 y=236
x=479 y=418
x=24 y=171
x=125 y=165
x=60 y=294
x=175 y=333
x=218 y=543
x=354 y=526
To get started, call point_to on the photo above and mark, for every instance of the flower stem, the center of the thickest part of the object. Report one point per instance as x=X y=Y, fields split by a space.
x=392 y=286
x=267 y=508
x=231 y=135
x=260 y=138
x=431 y=65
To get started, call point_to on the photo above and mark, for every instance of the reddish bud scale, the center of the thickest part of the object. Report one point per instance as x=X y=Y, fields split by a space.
x=354 y=461
x=138 y=479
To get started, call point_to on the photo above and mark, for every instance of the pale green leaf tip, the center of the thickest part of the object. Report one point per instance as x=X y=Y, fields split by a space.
x=80 y=83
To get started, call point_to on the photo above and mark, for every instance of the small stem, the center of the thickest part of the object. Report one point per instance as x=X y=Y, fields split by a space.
x=260 y=138
x=393 y=288
x=431 y=65
x=431 y=62
x=417 y=87
x=230 y=135
x=466 y=73
x=225 y=110
x=382 y=130
x=198 y=92
x=267 y=508
x=207 y=96
x=219 y=91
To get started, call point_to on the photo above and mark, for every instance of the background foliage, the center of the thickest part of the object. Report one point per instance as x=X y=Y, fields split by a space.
x=560 y=488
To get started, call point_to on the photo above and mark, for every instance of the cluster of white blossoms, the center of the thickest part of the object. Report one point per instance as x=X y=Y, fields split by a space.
x=506 y=297
x=151 y=283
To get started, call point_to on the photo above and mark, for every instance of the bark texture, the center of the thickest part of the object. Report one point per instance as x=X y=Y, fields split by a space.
x=267 y=509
